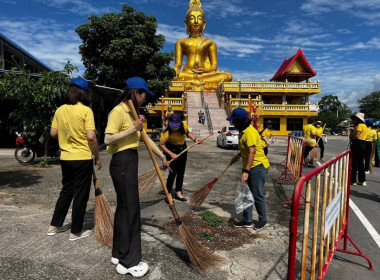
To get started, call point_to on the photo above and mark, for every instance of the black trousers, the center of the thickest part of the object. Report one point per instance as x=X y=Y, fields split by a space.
x=321 y=146
x=178 y=166
x=76 y=181
x=127 y=224
x=377 y=161
x=368 y=150
x=265 y=150
x=358 y=150
x=307 y=151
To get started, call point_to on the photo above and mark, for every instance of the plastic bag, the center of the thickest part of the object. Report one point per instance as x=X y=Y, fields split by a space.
x=325 y=140
x=244 y=198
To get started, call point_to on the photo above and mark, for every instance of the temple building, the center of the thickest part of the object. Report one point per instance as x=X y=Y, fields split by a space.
x=200 y=87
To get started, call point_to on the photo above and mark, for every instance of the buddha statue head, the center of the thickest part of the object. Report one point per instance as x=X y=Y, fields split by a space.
x=195 y=18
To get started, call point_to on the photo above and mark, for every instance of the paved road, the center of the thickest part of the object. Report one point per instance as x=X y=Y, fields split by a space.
x=367 y=199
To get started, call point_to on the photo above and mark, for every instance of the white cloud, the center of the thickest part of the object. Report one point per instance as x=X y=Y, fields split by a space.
x=80 y=7
x=369 y=10
x=52 y=43
x=376 y=82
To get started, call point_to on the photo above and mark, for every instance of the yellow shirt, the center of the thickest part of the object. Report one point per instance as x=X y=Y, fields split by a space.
x=371 y=135
x=363 y=131
x=248 y=138
x=176 y=137
x=267 y=135
x=319 y=131
x=120 y=119
x=309 y=138
x=72 y=121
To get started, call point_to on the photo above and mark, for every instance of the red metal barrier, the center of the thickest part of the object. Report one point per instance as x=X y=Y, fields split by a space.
x=329 y=223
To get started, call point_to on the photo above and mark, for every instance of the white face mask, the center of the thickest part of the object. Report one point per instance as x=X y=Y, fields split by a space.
x=318 y=125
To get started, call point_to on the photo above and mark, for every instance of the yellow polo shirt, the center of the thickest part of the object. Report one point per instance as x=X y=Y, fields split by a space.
x=309 y=138
x=267 y=135
x=363 y=131
x=72 y=121
x=176 y=137
x=120 y=119
x=319 y=131
x=248 y=138
x=371 y=135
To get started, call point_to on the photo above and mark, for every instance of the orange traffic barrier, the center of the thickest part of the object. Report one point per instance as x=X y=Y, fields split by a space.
x=328 y=187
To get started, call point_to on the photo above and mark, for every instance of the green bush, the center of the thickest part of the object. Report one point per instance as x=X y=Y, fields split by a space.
x=205 y=235
x=211 y=218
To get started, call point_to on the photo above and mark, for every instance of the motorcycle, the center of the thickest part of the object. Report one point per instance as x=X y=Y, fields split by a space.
x=27 y=151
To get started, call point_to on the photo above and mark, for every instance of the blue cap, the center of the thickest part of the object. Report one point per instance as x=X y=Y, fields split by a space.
x=369 y=122
x=175 y=121
x=79 y=82
x=238 y=113
x=377 y=123
x=137 y=83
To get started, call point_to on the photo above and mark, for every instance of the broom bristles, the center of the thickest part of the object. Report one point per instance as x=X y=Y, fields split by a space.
x=201 y=258
x=313 y=155
x=197 y=198
x=146 y=181
x=104 y=218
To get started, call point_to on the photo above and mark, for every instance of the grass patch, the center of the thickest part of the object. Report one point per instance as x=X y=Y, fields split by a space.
x=205 y=235
x=211 y=218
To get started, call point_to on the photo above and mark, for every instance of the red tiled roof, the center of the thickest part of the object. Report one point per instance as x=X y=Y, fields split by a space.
x=282 y=74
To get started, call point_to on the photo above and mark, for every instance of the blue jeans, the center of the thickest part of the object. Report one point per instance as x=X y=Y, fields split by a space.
x=256 y=182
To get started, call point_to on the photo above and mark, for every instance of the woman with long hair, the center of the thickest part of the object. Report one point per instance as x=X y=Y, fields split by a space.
x=122 y=135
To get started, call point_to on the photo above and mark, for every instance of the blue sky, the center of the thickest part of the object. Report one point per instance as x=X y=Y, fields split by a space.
x=340 y=38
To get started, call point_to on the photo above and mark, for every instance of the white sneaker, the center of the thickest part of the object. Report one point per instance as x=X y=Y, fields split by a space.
x=82 y=234
x=114 y=261
x=54 y=230
x=367 y=172
x=136 y=271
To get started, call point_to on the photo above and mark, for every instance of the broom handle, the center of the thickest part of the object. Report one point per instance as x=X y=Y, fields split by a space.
x=158 y=170
x=98 y=190
x=188 y=148
x=224 y=171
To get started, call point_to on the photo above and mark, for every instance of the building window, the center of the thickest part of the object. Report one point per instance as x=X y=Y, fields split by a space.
x=293 y=124
x=275 y=123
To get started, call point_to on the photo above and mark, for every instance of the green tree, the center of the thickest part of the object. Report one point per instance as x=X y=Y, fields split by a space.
x=38 y=97
x=118 y=46
x=369 y=105
x=332 y=111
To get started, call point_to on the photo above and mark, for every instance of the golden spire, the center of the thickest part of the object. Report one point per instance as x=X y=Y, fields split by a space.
x=195 y=6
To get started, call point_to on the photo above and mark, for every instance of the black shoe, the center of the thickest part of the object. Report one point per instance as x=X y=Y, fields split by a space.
x=180 y=198
x=243 y=224
x=260 y=225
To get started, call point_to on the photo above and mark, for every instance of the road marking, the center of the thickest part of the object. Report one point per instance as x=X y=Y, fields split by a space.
x=372 y=231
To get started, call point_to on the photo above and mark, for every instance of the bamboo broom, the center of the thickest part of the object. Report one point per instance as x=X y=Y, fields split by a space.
x=147 y=179
x=200 y=195
x=103 y=215
x=200 y=257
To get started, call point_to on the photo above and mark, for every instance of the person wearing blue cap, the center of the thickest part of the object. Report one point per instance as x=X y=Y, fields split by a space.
x=255 y=167
x=172 y=142
x=74 y=125
x=122 y=135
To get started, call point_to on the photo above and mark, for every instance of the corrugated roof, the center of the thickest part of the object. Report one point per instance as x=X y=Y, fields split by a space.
x=32 y=57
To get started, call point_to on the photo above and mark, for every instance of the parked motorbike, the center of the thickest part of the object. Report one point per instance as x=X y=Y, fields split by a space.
x=27 y=151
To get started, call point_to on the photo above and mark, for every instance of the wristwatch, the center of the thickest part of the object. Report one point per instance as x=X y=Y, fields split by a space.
x=245 y=170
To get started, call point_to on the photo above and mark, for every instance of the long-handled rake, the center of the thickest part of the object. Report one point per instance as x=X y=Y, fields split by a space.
x=200 y=195
x=147 y=179
x=201 y=258
x=103 y=215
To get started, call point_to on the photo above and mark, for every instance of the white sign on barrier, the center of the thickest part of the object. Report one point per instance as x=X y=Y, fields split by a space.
x=332 y=212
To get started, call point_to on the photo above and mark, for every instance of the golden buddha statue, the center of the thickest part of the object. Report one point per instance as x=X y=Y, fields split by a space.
x=201 y=53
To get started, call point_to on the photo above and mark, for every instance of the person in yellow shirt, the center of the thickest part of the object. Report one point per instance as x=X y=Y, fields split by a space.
x=319 y=129
x=266 y=136
x=122 y=135
x=255 y=167
x=74 y=126
x=310 y=134
x=369 y=144
x=377 y=152
x=358 y=136
x=172 y=142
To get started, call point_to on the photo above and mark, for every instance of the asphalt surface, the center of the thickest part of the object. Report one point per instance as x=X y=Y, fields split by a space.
x=28 y=196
